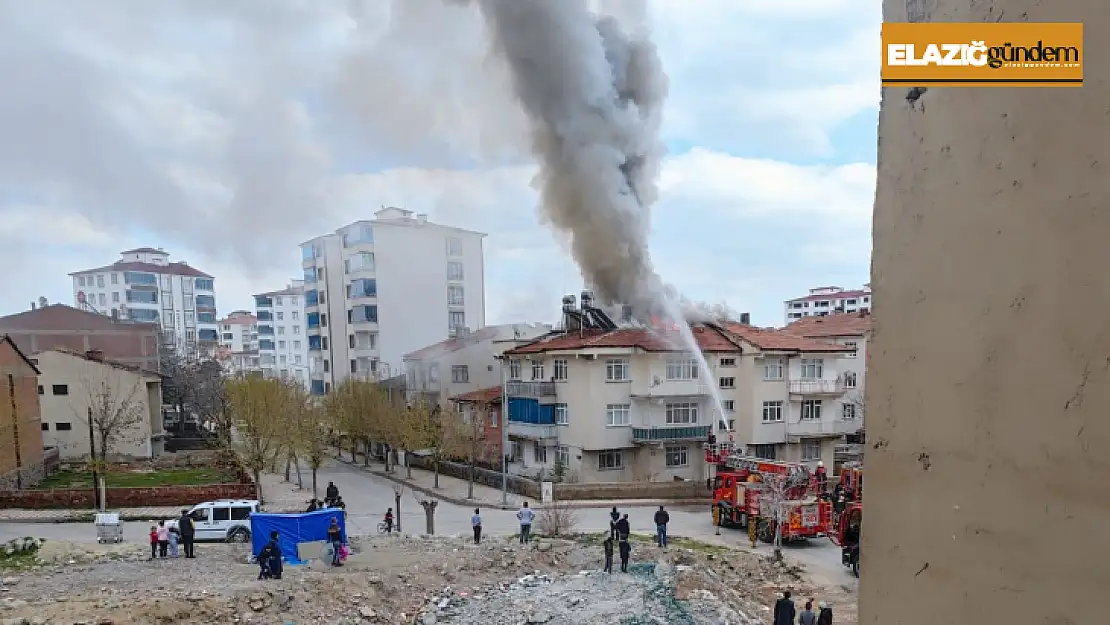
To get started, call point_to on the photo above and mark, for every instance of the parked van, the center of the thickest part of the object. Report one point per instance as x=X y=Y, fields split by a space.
x=222 y=520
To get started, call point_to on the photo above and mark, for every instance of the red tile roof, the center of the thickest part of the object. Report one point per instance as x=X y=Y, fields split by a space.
x=709 y=339
x=62 y=317
x=837 y=295
x=848 y=324
x=177 y=269
x=243 y=320
x=451 y=345
x=483 y=396
x=772 y=339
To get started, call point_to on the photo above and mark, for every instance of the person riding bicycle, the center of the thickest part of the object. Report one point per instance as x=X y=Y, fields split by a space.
x=388 y=521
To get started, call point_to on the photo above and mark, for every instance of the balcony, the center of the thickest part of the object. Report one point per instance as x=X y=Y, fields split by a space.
x=265 y=330
x=265 y=315
x=816 y=387
x=263 y=302
x=658 y=386
x=812 y=428
x=534 y=431
x=535 y=389
x=661 y=434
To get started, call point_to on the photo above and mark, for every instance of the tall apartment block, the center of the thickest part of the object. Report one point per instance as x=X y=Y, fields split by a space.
x=378 y=289
x=282 y=335
x=143 y=285
x=238 y=351
x=828 y=300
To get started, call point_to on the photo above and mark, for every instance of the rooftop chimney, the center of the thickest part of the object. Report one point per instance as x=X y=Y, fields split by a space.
x=95 y=355
x=746 y=318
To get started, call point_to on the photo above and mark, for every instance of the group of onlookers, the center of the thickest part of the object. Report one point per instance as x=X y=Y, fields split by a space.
x=785 y=612
x=164 y=539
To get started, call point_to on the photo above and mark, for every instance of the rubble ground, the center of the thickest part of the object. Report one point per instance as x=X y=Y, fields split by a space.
x=394 y=579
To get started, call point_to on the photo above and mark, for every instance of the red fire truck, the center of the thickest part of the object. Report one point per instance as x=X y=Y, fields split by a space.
x=746 y=488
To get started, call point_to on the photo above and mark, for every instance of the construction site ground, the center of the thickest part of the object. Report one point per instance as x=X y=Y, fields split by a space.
x=407 y=579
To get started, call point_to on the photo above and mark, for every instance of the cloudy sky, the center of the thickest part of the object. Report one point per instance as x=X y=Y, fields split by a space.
x=228 y=132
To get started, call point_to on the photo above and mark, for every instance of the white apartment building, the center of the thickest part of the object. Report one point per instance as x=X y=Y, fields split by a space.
x=852 y=331
x=238 y=351
x=624 y=404
x=143 y=285
x=378 y=289
x=465 y=364
x=828 y=300
x=283 y=332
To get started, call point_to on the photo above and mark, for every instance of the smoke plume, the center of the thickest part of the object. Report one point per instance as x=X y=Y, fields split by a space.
x=593 y=92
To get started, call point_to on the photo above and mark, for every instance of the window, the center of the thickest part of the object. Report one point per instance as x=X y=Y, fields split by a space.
x=240 y=513
x=454 y=271
x=324 y=342
x=454 y=246
x=514 y=451
x=811 y=410
x=323 y=320
x=610 y=460
x=848 y=412
x=677 y=457
x=617 y=415
x=812 y=368
x=772 y=412
x=115 y=296
x=350 y=340
x=454 y=295
x=851 y=345
x=728 y=362
x=460 y=374
x=561 y=367
x=684 y=369
x=41 y=392
x=204 y=284
x=849 y=379
x=772 y=370
x=100 y=281
x=320 y=276
x=297 y=358
x=363 y=287
x=280 y=316
x=359 y=262
x=296 y=329
x=221 y=514
x=81 y=280
x=682 y=413
x=811 y=450
x=354 y=366
x=562 y=456
x=729 y=405
x=63 y=426
x=281 y=330
x=493 y=418
x=537 y=369
x=281 y=345
x=561 y=416
x=326 y=365
x=731 y=425
x=293 y=302
x=59 y=389
x=617 y=370
x=456 y=319
x=514 y=369
x=433 y=372
x=539 y=452
x=726 y=383
x=45 y=427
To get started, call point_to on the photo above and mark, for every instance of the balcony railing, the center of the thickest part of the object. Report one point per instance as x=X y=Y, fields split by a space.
x=671 y=433
x=812 y=428
x=816 y=387
x=658 y=386
x=533 y=431
x=530 y=389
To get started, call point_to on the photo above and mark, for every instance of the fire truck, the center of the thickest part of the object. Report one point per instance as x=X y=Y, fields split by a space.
x=847 y=535
x=742 y=492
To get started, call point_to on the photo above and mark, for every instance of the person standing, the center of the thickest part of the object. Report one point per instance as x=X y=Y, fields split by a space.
x=388 y=520
x=822 y=478
x=614 y=516
x=335 y=538
x=626 y=553
x=608 y=546
x=825 y=616
x=175 y=537
x=188 y=532
x=807 y=617
x=153 y=542
x=476 y=523
x=624 y=530
x=275 y=563
x=331 y=494
x=784 y=610
x=163 y=539
x=661 y=520
x=525 y=516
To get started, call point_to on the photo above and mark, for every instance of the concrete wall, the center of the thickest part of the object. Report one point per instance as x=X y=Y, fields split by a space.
x=20 y=425
x=989 y=383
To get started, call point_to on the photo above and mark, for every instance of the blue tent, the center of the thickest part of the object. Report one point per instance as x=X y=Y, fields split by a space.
x=293 y=529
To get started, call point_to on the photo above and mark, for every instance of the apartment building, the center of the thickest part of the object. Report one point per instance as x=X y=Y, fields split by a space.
x=283 y=332
x=378 y=289
x=619 y=404
x=485 y=405
x=74 y=385
x=828 y=300
x=439 y=373
x=852 y=331
x=238 y=351
x=143 y=285
x=57 y=326
x=21 y=446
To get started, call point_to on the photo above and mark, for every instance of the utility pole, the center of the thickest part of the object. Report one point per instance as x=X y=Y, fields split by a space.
x=15 y=434
x=92 y=463
x=504 y=436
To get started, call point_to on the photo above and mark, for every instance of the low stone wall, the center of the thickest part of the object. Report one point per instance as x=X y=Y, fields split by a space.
x=519 y=485
x=82 y=498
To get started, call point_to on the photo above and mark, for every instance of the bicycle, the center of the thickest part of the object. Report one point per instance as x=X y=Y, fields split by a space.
x=383 y=528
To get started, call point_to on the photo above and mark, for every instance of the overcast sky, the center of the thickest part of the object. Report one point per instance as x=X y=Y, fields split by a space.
x=228 y=132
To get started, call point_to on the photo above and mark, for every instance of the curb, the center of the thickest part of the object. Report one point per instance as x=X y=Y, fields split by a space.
x=88 y=517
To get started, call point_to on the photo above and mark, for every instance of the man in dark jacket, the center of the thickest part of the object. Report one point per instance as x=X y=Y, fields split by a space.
x=623 y=528
x=275 y=563
x=614 y=516
x=825 y=617
x=626 y=553
x=188 y=532
x=331 y=494
x=608 y=546
x=661 y=520
x=784 y=610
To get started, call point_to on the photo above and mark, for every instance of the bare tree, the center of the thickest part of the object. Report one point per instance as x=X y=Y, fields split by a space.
x=416 y=430
x=774 y=505
x=464 y=436
x=115 y=406
x=557 y=518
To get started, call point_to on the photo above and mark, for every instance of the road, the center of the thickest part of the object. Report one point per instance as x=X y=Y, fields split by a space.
x=367 y=497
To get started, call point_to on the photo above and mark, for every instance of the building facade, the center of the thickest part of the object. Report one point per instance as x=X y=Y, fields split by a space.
x=378 y=289
x=282 y=333
x=21 y=446
x=122 y=400
x=445 y=370
x=828 y=300
x=852 y=331
x=485 y=406
x=143 y=285
x=58 y=326
x=238 y=351
x=627 y=404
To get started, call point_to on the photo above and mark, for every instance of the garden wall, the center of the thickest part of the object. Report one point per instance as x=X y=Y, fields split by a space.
x=82 y=498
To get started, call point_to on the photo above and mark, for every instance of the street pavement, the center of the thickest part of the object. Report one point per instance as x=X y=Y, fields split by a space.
x=368 y=496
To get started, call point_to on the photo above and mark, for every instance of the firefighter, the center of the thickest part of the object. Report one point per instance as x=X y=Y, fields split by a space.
x=751 y=530
x=822 y=477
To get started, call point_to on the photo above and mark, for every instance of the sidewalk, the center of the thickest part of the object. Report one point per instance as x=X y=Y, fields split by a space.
x=454 y=490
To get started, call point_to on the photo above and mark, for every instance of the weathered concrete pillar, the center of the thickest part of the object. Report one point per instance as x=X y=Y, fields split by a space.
x=988 y=390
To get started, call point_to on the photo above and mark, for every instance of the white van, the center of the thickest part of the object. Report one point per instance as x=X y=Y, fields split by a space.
x=222 y=520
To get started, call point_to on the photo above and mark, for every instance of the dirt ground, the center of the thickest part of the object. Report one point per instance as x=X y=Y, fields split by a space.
x=395 y=579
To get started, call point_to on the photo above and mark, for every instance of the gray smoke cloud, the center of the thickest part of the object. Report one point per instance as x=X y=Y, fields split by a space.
x=593 y=92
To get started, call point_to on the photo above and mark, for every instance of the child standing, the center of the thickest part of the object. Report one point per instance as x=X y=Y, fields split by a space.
x=163 y=539
x=173 y=535
x=153 y=542
x=608 y=545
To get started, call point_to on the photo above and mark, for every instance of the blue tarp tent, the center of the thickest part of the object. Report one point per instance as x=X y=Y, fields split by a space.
x=293 y=529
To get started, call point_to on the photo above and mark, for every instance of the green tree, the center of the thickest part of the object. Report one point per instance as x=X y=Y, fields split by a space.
x=256 y=406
